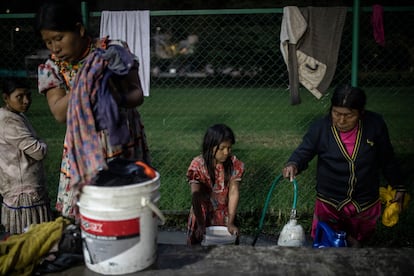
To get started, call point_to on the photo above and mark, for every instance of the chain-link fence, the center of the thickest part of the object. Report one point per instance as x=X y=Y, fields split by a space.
x=226 y=66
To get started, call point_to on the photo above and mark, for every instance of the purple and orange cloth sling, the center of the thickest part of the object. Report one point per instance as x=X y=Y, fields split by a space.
x=91 y=108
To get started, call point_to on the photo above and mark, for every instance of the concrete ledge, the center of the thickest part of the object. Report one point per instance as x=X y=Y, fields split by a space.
x=273 y=260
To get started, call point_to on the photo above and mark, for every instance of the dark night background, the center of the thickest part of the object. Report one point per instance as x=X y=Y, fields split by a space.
x=30 y=6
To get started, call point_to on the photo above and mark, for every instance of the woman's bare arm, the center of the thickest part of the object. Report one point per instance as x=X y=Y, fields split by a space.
x=58 y=99
x=127 y=90
x=233 y=203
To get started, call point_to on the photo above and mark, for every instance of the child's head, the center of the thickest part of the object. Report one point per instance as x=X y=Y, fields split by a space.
x=217 y=144
x=16 y=95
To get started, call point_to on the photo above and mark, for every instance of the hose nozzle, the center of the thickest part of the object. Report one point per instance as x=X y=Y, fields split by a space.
x=293 y=214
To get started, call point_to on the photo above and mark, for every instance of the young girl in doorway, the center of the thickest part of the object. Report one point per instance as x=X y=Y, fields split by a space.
x=22 y=175
x=214 y=178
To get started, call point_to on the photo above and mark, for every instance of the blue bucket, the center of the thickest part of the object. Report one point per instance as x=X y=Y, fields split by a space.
x=325 y=236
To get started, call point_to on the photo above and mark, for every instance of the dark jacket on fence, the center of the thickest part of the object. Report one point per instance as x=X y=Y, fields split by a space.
x=342 y=178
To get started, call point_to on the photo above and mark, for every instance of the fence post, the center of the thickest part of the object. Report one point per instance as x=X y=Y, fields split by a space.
x=85 y=15
x=355 y=43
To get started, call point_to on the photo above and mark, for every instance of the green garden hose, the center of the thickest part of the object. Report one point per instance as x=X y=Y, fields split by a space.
x=293 y=213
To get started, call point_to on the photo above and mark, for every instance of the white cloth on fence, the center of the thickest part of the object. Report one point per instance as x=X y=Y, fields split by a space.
x=134 y=28
x=293 y=27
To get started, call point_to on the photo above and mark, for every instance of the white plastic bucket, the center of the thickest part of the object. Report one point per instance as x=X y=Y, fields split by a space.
x=119 y=226
x=218 y=235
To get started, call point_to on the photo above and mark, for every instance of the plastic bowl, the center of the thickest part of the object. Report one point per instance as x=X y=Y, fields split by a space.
x=216 y=235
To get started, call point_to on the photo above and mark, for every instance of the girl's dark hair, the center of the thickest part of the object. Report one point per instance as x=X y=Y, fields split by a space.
x=350 y=97
x=215 y=135
x=58 y=16
x=9 y=85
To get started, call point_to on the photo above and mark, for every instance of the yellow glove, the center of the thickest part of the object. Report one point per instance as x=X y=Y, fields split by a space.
x=392 y=210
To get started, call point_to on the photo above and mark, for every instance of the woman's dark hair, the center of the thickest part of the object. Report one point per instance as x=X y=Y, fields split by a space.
x=215 y=135
x=350 y=97
x=58 y=16
x=9 y=85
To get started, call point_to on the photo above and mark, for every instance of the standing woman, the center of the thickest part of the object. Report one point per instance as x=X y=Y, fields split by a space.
x=354 y=150
x=22 y=177
x=93 y=86
x=214 y=178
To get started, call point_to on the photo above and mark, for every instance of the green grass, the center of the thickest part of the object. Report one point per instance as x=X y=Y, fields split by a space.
x=267 y=130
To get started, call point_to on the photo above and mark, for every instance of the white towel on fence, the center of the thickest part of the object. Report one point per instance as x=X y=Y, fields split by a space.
x=293 y=27
x=134 y=28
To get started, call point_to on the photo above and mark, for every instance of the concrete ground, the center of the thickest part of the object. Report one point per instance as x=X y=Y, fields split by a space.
x=266 y=258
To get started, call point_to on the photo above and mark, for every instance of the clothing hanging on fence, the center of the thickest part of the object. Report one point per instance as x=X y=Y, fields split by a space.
x=378 y=24
x=309 y=41
x=134 y=28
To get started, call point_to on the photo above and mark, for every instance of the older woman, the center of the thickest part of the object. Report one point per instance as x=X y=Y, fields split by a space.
x=353 y=149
